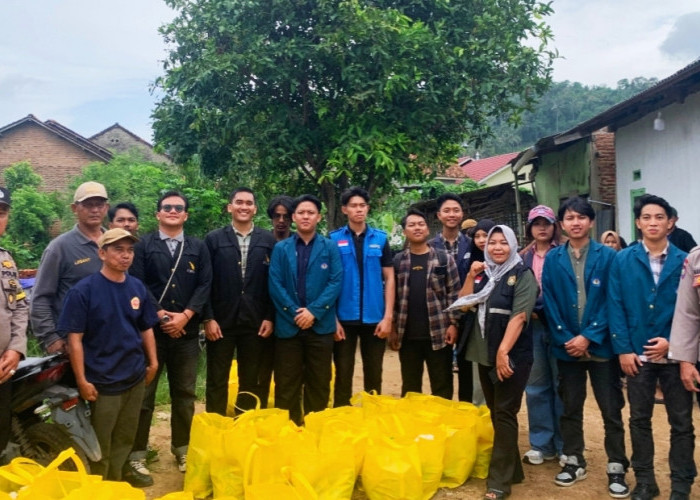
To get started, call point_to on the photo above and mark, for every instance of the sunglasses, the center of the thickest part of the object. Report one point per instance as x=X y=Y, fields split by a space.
x=168 y=208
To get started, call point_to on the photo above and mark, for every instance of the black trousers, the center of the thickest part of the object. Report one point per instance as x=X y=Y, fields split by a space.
x=5 y=414
x=255 y=356
x=372 y=351
x=413 y=354
x=607 y=389
x=504 y=400
x=679 y=410
x=303 y=369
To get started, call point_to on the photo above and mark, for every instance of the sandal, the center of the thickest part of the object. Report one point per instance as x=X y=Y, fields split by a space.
x=493 y=494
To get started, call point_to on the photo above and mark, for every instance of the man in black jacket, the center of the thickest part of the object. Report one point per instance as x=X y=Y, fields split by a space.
x=241 y=313
x=177 y=272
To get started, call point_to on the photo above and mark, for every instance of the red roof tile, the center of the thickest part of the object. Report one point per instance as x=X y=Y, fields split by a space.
x=480 y=169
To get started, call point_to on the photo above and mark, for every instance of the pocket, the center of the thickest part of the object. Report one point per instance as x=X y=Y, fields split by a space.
x=11 y=289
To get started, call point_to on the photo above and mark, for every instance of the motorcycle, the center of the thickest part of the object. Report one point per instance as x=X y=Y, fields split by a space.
x=48 y=414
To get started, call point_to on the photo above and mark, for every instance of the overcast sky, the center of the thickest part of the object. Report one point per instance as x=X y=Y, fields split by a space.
x=90 y=63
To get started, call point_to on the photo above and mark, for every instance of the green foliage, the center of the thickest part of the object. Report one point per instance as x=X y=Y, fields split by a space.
x=31 y=216
x=130 y=178
x=318 y=95
x=562 y=107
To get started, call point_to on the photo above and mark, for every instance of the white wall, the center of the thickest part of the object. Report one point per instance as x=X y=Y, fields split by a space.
x=669 y=162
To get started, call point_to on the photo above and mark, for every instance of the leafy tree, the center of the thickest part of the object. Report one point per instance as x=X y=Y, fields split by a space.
x=131 y=178
x=324 y=94
x=32 y=214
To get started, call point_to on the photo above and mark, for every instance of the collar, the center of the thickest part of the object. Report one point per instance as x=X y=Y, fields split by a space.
x=238 y=233
x=665 y=251
x=178 y=237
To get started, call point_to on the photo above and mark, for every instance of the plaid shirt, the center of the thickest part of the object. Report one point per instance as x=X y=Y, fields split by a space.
x=442 y=291
x=656 y=263
x=243 y=244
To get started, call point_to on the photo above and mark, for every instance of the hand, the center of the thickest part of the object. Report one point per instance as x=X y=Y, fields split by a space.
x=339 y=334
x=629 y=363
x=690 y=377
x=383 y=328
x=656 y=349
x=151 y=371
x=304 y=319
x=88 y=391
x=451 y=335
x=175 y=328
x=212 y=331
x=578 y=346
x=8 y=364
x=503 y=366
x=266 y=328
x=393 y=340
x=56 y=346
x=476 y=269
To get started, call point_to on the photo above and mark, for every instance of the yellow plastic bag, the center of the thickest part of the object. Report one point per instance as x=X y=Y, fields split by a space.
x=263 y=481
x=373 y=404
x=392 y=470
x=178 y=495
x=19 y=472
x=233 y=390
x=484 y=444
x=107 y=490
x=338 y=428
x=207 y=432
x=50 y=483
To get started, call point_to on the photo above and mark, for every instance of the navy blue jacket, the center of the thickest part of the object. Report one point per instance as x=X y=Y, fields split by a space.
x=639 y=309
x=559 y=292
x=464 y=252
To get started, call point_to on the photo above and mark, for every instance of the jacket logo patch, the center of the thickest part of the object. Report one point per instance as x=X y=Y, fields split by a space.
x=343 y=243
x=511 y=281
x=374 y=245
x=135 y=303
x=81 y=261
x=595 y=282
x=7 y=263
x=324 y=266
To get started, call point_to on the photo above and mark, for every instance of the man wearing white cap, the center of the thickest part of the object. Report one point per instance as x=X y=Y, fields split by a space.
x=108 y=318
x=13 y=324
x=66 y=260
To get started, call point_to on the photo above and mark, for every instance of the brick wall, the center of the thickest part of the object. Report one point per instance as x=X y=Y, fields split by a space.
x=52 y=157
x=604 y=143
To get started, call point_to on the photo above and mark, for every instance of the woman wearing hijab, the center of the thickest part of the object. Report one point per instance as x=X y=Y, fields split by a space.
x=613 y=240
x=502 y=290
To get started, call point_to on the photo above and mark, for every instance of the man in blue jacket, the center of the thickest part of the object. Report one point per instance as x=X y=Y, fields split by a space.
x=305 y=279
x=574 y=288
x=641 y=298
x=366 y=302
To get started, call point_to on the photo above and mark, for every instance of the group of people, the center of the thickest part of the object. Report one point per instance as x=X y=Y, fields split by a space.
x=540 y=322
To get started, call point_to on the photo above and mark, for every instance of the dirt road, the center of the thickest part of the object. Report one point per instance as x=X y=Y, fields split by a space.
x=538 y=483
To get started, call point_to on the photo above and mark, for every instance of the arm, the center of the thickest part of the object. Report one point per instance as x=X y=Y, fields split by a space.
x=452 y=289
x=468 y=287
x=384 y=327
x=149 y=349
x=17 y=347
x=597 y=327
x=619 y=332
x=77 y=361
x=45 y=289
x=550 y=294
x=282 y=300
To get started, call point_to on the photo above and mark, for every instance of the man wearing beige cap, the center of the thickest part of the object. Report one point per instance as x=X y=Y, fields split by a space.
x=66 y=260
x=108 y=319
x=13 y=325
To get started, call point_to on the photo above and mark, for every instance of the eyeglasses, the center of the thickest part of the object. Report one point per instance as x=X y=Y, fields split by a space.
x=93 y=203
x=169 y=208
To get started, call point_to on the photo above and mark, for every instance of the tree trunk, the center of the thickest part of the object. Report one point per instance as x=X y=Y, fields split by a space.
x=331 y=197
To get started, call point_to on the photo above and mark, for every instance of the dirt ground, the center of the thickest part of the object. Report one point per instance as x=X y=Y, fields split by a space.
x=538 y=482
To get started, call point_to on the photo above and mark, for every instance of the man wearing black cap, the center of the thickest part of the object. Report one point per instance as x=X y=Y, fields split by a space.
x=66 y=260
x=14 y=315
x=108 y=319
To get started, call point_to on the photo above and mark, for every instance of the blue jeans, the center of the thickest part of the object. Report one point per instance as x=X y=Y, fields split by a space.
x=544 y=406
x=607 y=389
x=679 y=409
x=180 y=357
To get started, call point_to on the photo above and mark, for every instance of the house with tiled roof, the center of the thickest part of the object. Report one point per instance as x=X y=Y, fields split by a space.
x=54 y=151
x=121 y=140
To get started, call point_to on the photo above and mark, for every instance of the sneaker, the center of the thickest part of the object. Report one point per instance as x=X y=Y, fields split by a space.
x=645 y=491
x=617 y=487
x=535 y=457
x=570 y=473
x=181 y=462
x=136 y=474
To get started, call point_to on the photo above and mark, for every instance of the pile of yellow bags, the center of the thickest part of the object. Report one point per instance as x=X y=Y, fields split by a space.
x=24 y=479
x=400 y=448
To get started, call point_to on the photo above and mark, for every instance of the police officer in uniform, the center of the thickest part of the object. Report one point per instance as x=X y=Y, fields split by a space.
x=14 y=315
